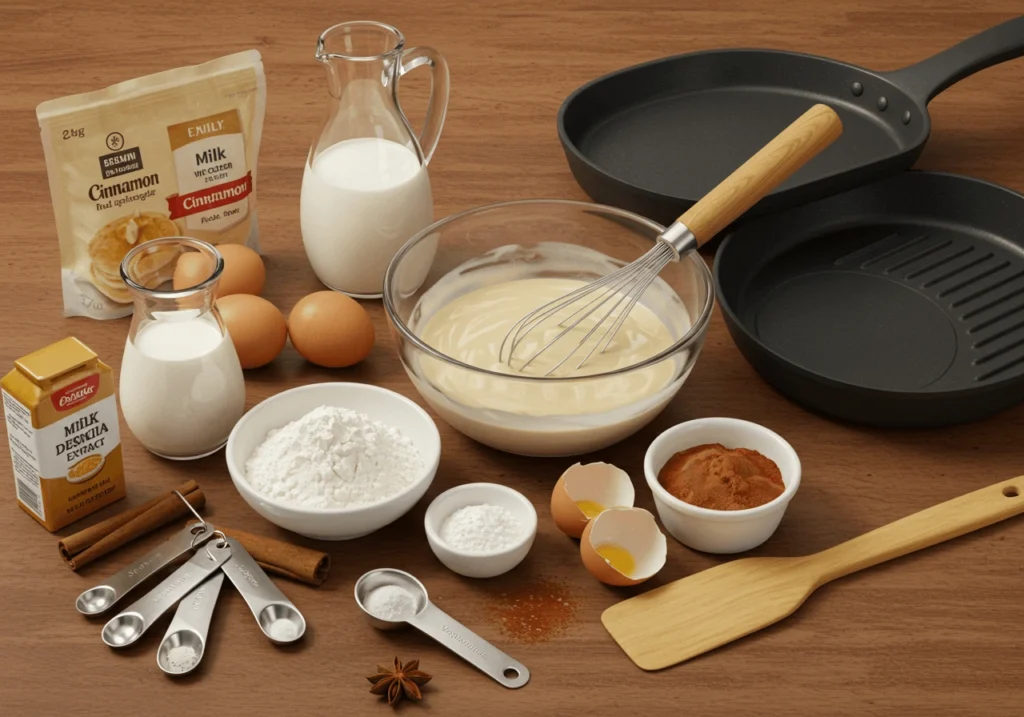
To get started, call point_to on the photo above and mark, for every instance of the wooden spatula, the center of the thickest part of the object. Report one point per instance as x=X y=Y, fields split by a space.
x=683 y=619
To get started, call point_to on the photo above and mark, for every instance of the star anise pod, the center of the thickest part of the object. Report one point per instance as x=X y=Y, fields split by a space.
x=403 y=681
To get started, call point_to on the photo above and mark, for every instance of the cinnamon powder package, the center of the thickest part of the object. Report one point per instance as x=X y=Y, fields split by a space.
x=170 y=154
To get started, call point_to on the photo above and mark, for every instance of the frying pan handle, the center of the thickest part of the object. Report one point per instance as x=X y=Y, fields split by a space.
x=791 y=149
x=930 y=77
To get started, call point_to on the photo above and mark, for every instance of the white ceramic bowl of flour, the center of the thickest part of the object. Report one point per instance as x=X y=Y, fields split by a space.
x=496 y=554
x=378 y=404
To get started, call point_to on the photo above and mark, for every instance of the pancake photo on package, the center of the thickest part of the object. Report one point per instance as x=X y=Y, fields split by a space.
x=111 y=243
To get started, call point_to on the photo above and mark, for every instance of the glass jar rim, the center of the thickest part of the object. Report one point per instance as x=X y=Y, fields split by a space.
x=321 y=42
x=696 y=330
x=198 y=244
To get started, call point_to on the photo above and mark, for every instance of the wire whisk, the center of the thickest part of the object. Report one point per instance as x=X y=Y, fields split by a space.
x=608 y=301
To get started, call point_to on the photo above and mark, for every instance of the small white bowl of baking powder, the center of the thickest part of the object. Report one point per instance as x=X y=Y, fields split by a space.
x=333 y=461
x=481 y=530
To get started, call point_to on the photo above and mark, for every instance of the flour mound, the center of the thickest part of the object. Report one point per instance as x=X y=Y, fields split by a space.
x=333 y=458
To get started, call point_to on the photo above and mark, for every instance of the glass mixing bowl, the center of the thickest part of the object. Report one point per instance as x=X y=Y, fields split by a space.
x=531 y=414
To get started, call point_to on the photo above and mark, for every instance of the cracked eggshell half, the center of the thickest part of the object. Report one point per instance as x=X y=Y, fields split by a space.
x=595 y=486
x=631 y=529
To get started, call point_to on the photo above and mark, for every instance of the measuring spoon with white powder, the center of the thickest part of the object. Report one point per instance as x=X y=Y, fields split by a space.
x=276 y=615
x=101 y=597
x=393 y=599
x=126 y=627
x=185 y=640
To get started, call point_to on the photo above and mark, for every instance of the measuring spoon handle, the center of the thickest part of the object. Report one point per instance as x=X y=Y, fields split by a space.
x=127 y=626
x=260 y=593
x=196 y=609
x=189 y=627
x=470 y=647
x=101 y=597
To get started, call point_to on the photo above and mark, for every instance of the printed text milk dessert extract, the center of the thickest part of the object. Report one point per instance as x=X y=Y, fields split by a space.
x=63 y=432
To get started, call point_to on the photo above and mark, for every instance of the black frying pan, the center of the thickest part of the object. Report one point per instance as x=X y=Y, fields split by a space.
x=898 y=303
x=657 y=137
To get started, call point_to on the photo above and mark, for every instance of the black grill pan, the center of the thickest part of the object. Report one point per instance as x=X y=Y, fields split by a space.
x=898 y=303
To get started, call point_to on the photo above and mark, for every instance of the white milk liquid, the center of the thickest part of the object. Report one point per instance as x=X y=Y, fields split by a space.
x=182 y=389
x=362 y=199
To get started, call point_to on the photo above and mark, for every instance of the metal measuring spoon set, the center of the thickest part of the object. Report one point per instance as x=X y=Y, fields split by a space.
x=194 y=588
x=432 y=621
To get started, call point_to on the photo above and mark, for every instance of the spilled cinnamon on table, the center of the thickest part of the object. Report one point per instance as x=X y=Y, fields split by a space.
x=534 y=612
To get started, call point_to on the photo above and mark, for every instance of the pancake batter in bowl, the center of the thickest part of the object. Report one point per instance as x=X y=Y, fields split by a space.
x=471 y=327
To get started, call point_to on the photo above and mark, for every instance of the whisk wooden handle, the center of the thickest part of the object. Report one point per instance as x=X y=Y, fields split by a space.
x=814 y=130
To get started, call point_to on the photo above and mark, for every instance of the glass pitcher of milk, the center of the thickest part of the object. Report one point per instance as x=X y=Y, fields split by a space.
x=365 y=190
x=182 y=389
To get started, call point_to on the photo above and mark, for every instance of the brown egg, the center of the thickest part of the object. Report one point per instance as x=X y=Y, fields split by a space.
x=256 y=326
x=583 y=491
x=191 y=269
x=330 y=329
x=623 y=546
x=244 y=272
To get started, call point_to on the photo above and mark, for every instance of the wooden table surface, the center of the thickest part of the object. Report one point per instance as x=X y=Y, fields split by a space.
x=936 y=632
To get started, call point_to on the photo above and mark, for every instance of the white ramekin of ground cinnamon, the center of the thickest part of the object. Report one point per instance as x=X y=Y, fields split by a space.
x=721 y=485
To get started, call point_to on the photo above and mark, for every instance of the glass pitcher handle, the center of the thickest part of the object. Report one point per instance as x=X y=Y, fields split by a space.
x=437 y=106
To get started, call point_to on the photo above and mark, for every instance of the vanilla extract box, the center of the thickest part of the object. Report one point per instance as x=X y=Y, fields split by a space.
x=62 y=428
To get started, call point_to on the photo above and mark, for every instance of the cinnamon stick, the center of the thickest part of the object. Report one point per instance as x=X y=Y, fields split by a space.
x=82 y=548
x=284 y=559
x=77 y=542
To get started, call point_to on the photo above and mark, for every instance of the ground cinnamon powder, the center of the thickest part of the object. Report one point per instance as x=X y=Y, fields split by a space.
x=534 y=612
x=719 y=478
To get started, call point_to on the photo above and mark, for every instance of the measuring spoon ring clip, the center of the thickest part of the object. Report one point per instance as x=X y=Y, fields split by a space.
x=201 y=532
x=221 y=543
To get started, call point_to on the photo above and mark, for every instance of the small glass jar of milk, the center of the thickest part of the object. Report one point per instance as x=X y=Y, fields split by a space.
x=365 y=189
x=182 y=389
